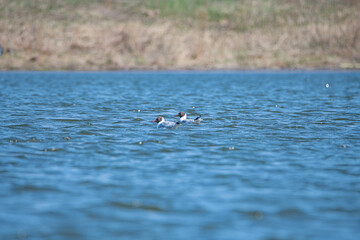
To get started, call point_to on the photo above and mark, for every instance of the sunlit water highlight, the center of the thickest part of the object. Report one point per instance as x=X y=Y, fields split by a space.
x=276 y=156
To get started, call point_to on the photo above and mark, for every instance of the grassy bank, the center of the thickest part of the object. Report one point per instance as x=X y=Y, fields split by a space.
x=182 y=34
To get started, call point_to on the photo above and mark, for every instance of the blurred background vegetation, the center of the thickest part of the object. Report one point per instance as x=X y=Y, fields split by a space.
x=179 y=34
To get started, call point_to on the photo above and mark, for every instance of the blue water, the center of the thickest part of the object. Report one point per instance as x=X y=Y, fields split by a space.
x=277 y=155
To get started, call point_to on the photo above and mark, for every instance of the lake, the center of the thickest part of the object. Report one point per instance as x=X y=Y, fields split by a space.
x=277 y=155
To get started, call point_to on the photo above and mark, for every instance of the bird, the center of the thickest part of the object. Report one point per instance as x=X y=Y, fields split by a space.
x=161 y=123
x=183 y=118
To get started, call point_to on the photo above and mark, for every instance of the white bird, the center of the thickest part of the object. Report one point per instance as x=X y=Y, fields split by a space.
x=183 y=118
x=161 y=123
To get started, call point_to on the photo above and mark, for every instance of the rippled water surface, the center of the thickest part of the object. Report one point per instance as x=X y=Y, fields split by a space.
x=277 y=156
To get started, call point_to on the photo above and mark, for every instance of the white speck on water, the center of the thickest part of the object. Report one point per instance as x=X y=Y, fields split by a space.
x=231 y=148
x=53 y=149
x=140 y=143
x=327 y=85
x=193 y=107
x=139 y=110
x=344 y=146
x=276 y=105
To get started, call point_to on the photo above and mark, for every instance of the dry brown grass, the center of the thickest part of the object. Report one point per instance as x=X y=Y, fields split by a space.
x=107 y=37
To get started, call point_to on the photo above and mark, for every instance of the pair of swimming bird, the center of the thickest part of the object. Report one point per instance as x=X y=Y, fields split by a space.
x=161 y=123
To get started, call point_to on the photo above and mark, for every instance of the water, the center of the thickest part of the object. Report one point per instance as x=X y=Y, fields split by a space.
x=276 y=156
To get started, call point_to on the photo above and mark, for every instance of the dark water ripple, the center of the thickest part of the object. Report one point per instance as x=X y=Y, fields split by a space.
x=276 y=157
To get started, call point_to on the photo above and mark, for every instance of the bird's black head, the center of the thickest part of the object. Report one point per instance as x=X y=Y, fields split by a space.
x=158 y=119
x=180 y=114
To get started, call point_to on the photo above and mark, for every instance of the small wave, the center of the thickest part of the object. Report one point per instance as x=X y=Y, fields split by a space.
x=53 y=149
x=136 y=205
x=230 y=148
x=257 y=215
x=342 y=119
x=34 y=188
x=18 y=126
x=84 y=132
x=290 y=212
x=149 y=141
x=294 y=127
x=67 y=119
x=25 y=140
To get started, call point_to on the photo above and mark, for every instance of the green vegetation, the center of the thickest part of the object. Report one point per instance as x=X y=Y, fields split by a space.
x=117 y=34
x=249 y=14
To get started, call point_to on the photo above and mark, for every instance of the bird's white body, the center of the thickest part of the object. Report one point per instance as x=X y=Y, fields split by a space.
x=166 y=124
x=161 y=123
x=184 y=120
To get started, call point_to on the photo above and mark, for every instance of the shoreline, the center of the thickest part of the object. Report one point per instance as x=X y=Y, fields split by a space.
x=191 y=71
x=118 y=36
